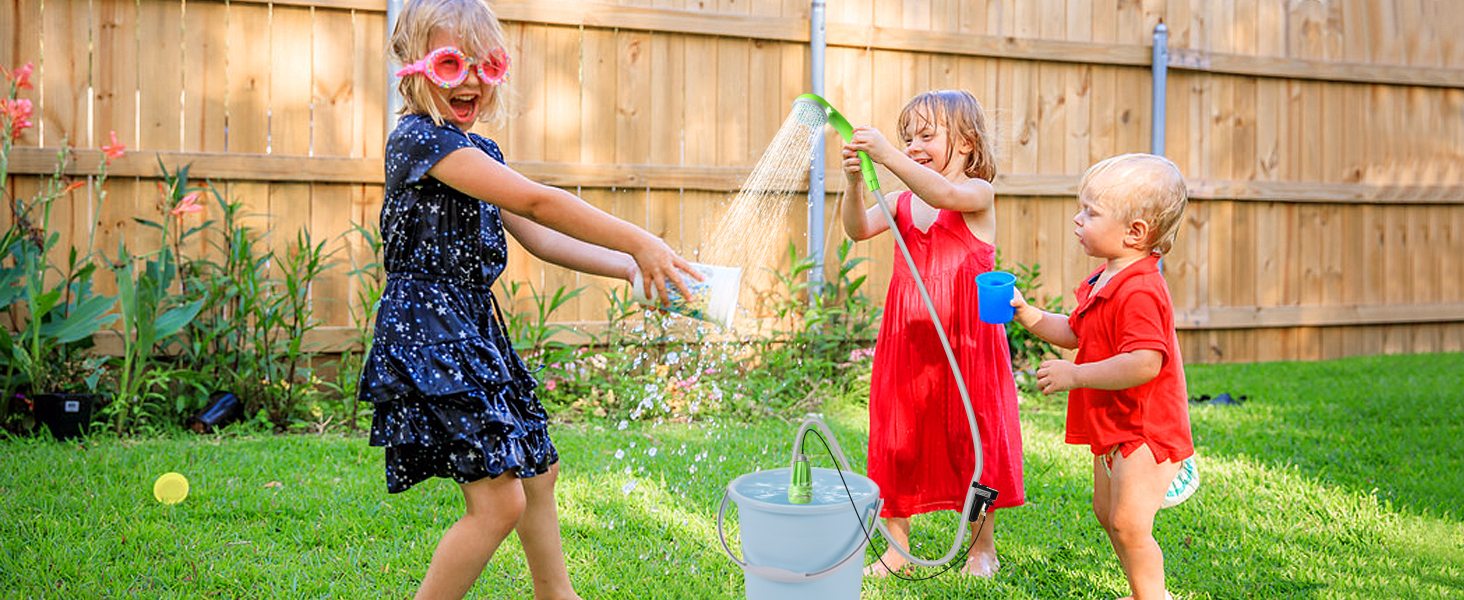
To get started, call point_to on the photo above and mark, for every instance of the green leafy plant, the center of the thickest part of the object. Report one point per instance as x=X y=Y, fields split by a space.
x=371 y=282
x=217 y=342
x=150 y=315
x=54 y=324
x=53 y=311
x=1028 y=350
x=532 y=332
x=285 y=318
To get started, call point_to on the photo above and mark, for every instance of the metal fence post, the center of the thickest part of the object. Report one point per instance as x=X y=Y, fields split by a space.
x=816 y=161
x=1160 y=70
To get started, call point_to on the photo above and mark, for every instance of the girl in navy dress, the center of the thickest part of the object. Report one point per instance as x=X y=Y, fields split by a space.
x=451 y=397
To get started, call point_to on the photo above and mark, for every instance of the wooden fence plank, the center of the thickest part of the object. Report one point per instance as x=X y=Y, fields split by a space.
x=1051 y=119
x=632 y=103
x=291 y=35
x=368 y=132
x=713 y=178
x=205 y=77
x=249 y=79
x=333 y=94
x=329 y=221
x=8 y=19
x=1271 y=317
x=1137 y=19
x=115 y=72
x=160 y=47
x=62 y=76
x=562 y=130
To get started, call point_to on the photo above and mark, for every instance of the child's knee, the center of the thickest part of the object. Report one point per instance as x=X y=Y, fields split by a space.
x=1130 y=531
x=500 y=519
x=495 y=504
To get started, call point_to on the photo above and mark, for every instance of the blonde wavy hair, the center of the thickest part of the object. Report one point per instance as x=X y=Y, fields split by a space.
x=963 y=119
x=476 y=28
x=1139 y=187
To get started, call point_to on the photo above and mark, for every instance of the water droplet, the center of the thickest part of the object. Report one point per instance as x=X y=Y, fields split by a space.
x=628 y=487
x=651 y=452
x=619 y=454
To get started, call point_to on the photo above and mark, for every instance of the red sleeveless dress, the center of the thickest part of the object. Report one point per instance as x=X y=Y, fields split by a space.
x=919 y=440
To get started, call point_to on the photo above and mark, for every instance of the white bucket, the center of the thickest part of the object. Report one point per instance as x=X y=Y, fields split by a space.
x=802 y=551
x=714 y=299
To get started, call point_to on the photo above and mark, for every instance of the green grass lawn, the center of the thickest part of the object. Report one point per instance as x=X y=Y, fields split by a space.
x=1336 y=479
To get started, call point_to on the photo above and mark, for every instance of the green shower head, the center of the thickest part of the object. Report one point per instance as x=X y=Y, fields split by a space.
x=841 y=125
x=800 y=484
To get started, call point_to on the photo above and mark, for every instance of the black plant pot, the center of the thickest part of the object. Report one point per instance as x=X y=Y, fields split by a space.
x=223 y=408
x=66 y=415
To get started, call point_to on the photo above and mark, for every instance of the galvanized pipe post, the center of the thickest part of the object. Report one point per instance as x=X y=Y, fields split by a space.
x=1160 y=71
x=816 y=162
x=393 y=96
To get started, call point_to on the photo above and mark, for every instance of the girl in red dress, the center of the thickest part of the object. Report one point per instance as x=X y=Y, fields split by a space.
x=920 y=450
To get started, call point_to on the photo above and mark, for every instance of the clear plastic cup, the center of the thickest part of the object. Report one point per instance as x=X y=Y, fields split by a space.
x=714 y=299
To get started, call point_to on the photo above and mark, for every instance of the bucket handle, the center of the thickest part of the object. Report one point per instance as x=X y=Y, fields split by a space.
x=784 y=575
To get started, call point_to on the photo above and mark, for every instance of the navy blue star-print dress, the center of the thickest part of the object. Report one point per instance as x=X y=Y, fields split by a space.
x=451 y=397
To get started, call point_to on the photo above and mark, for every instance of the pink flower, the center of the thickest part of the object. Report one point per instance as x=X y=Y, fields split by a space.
x=16 y=109
x=20 y=76
x=17 y=113
x=551 y=384
x=189 y=204
x=114 y=150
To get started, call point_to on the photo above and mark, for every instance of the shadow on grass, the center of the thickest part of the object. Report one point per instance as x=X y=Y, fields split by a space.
x=1388 y=427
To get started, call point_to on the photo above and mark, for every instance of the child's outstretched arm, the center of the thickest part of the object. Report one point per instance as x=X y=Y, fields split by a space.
x=930 y=185
x=1053 y=328
x=861 y=223
x=554 y=247
x=474 y=173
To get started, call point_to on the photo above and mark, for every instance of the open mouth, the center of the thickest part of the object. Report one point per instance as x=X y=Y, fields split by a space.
x=464 y=107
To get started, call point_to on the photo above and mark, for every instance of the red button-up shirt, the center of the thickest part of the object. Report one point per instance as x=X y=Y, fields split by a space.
x=1131 y=312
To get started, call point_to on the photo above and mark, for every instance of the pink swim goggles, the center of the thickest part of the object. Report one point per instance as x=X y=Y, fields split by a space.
x=448 y=67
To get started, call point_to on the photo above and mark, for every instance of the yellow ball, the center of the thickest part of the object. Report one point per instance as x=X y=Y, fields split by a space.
x=170 y=488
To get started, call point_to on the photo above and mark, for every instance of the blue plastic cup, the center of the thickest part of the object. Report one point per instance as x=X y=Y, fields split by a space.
x=996 y=290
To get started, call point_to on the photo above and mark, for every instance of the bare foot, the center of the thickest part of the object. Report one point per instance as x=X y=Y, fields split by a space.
x=981 y=565
x=884 y=566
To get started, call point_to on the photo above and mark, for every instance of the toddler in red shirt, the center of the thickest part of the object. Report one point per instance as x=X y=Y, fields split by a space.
x=1127 y=398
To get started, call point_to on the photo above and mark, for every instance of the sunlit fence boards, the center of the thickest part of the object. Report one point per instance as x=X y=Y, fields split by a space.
x=1323 y=140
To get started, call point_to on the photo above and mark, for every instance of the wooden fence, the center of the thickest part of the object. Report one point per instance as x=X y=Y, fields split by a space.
x=1323 y=141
